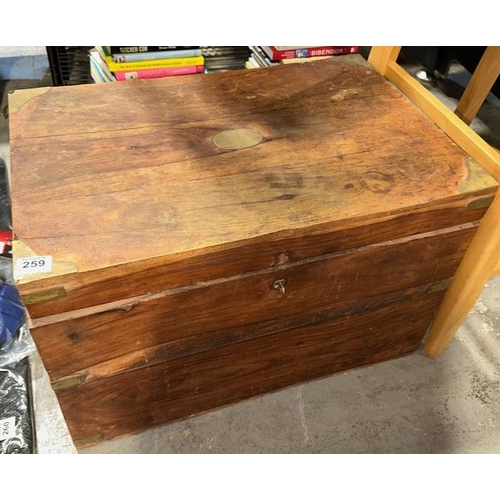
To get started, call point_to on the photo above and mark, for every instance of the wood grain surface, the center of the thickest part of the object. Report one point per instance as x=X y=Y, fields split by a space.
x=162 y=300
x=74 y=291
x=138 y=399
x=106 y=175
x=247 y=305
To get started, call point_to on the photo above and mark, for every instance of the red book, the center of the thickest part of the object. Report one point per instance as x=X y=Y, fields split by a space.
x=278 y=55
x=142 y=74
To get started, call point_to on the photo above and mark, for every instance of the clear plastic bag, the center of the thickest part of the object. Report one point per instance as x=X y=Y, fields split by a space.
x=20 y=346
x=15 y=339
x=16 y=409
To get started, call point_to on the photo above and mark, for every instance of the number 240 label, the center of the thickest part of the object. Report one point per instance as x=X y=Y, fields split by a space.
x=7 y=428
x=33 y=265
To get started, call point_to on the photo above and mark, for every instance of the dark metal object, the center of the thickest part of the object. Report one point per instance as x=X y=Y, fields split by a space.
x=5 y=204
x=69 y=65
x=225 y=58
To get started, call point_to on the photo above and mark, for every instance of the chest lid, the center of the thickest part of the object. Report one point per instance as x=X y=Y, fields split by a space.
x=103 y=175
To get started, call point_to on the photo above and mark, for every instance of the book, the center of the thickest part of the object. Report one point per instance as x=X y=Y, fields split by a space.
x=155 y=63
x=163 y=54
x=150 y=63
x=278 y=55
x=252 y=63
x=300 y=60
x=97 y=74
x=134 y=49
x=158 y=72
x=283 y=47
x=261 y=57
x=99 y=70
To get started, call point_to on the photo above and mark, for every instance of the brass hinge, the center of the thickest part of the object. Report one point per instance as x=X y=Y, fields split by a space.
x=89 y=440
x=43 y=296
x=480 y=203
x=441 y=285
x=68 y=382
x=411 y=348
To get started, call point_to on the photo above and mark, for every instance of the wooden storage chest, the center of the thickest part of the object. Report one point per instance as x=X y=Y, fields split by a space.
x=216 y=237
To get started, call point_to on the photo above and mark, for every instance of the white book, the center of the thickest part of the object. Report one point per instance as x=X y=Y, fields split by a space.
x=98 y=67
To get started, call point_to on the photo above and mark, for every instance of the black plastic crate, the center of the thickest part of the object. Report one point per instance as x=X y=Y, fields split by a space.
x=69 y=65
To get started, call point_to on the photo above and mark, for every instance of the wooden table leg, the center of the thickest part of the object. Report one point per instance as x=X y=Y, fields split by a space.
x=381 y=57
x=475 y=269
x=480 y=85
x=483 y=255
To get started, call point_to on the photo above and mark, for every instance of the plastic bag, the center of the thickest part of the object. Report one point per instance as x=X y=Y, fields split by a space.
x=15 y=339
x=16 y=409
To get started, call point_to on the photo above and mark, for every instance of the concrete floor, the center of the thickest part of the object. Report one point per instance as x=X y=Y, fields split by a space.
x=410 y=405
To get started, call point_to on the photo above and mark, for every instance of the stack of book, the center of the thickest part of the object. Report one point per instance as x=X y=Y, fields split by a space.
x=141 y=62
x=225 y=58
x=263 y=56
x=258 y=58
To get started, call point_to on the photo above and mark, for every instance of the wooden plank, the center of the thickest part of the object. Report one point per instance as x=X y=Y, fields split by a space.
x=380 y=57
x=76 y=291
x=187 y=103
x=249 y=303
x=340 y=144
x=195 y=344
x=496 y=270
x=446 y=120
x=480 y=85
x=139 y=399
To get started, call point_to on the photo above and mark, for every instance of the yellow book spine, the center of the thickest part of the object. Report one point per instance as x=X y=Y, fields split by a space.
x=158 y=63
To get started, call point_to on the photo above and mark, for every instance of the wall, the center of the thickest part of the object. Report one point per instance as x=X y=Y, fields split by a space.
x=23 y=62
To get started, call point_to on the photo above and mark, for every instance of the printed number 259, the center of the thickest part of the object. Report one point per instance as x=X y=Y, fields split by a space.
x=33 y=263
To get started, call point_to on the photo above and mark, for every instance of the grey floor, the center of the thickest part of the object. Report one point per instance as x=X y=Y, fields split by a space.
x=410 y=405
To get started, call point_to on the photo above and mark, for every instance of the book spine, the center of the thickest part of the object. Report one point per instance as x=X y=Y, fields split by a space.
x=261 y=56
x=164 y=54
x=158 y=73
x=96 y=73
x=155 y=63
x=267 y=51
x=252 y=63
x=135 y=49
x=104 y=75
x=99 y=64
x=279 y=55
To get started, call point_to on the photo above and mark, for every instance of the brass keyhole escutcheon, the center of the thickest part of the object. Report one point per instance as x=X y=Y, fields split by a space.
x=280 y=285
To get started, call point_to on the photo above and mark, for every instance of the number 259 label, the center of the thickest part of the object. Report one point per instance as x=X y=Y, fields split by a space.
x=33 y=265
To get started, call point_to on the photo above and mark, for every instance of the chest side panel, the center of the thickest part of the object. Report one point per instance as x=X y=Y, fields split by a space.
x=139 y=399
